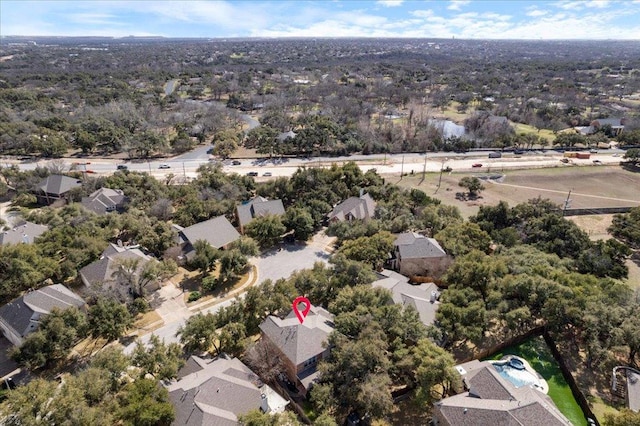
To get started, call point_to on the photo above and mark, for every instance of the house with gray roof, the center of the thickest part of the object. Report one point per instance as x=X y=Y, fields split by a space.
x=104 y=200
x=490 y=399
x=362 y=207
x=257 y=207
x=109 y=274
x=417 y=255
x=300 y=345
x=423 y=297
x=24 y=233
x=216 y=392
x=22 y=316
x=218 y=232
x=55 y=188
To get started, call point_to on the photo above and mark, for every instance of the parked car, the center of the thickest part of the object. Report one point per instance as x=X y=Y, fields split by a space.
x=236 y=163
x=565 y=160
x=477 y=165
x=164 y=166
x=122 y=167
x=597 y=162
x=593 y=151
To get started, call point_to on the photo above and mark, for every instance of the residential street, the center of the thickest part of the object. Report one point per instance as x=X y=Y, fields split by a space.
x=273 y=265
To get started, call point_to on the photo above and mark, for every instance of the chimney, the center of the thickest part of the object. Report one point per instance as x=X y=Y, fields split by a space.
x=434 y=295
x=361 y=192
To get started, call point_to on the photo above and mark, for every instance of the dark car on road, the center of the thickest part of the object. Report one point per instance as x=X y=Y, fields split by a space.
x=477 y=165
x=236 y=163
x=122 y=167
x=252 y=174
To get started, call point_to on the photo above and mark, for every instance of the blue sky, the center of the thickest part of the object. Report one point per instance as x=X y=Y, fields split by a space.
x=472 y=19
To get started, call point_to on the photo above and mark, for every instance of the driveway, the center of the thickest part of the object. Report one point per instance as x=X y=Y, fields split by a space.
x=273 y=265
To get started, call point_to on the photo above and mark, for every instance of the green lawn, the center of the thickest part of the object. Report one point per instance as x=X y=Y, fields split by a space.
x=536 y=352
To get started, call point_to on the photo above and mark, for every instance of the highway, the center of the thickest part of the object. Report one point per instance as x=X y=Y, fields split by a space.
x=184 y=166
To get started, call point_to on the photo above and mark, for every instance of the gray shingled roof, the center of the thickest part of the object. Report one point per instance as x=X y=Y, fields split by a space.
x=492 y=400
x=58 y=184
x=420 y=297
x=299 y=342
x=258 y=207
x=217 y=231
x=24 y=233
x=415 y=246
x=17 y=313
x=218 y=392
x=101 y=271
x=362 y=207
x=104 y=200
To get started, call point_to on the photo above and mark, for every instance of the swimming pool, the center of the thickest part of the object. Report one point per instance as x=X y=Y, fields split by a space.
x=515 y=370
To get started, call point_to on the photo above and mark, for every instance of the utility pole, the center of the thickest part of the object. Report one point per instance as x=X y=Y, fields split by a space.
x=424 y=169
x=402 y=168
x=567 y=202
x=441 y=170
x=184 y=172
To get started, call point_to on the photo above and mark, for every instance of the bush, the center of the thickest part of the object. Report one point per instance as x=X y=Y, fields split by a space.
x=209 y=284
x=140 y=305
x=194 y=295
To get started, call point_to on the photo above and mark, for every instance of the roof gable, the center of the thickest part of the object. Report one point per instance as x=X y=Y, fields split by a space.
x=217 y=231
x=299 y=342
x=258 y=207
x=416 y=246
x=58 y=184
x=362 y=207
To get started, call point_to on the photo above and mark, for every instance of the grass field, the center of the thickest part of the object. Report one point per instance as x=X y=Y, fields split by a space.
x=590 y=187
x=536 y=352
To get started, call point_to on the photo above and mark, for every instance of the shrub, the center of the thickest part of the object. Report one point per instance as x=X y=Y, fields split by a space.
x=209 y=283
x=194 y=295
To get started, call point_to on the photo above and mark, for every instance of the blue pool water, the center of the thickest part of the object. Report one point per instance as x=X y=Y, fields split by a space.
x=519 y=378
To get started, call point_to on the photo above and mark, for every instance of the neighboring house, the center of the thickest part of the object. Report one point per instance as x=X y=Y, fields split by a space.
x=257 y=207
x=617 y=124
x=104 y=200
x=301 y=346
x=362 y=207
x=492 y=400
x=107 y=276
x=218 y=232
x=22 y=316
x=423 y=298
x=286 y=135
x=55 y=188
x=216 y=392
x=415 y=254
x=24 y=233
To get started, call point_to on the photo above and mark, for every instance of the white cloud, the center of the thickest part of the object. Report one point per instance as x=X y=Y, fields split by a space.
x=599 y=4
x=457 y=4
x=390 y=3
x=534 y=13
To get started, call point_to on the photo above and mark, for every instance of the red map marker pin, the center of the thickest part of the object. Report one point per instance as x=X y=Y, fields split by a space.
x=307 y=306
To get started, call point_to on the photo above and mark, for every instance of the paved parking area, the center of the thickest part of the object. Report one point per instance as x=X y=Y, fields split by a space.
x=284 y=261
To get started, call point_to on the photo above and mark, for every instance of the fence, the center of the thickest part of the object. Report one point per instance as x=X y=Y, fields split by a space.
x=596 y=210
x=566 y=373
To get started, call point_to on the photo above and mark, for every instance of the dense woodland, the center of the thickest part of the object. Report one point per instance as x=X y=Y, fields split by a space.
x=158 y=97
x=515 y=267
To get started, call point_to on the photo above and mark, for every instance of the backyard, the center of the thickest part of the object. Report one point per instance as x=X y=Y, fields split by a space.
x=536 y=352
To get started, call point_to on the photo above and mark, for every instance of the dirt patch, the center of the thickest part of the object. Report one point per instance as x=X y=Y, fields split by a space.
x=594 y=225
x=590 y=187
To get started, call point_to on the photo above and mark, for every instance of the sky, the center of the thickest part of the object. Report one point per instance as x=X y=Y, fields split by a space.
x=465 y=19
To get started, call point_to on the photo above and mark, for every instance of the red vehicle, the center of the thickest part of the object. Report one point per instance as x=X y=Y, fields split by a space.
x=477 y=165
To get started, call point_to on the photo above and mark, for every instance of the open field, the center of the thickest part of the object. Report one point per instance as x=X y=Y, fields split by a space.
x=589 y=186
